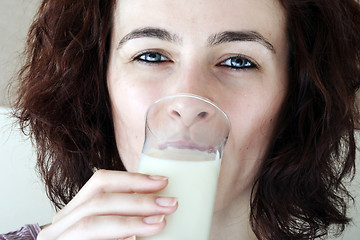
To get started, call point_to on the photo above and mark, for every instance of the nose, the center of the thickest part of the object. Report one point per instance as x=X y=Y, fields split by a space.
x=194 y=76
x=189 y=111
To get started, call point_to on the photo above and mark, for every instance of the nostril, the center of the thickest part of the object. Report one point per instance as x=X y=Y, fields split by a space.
x=176 y=113
x=202 y=114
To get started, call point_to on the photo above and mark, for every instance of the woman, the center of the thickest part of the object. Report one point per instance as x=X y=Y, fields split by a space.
x=285 y=72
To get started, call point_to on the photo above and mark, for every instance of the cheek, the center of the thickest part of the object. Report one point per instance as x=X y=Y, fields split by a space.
x=253 y=121
x=129 y=107
x=129 y=132
x=253 y=127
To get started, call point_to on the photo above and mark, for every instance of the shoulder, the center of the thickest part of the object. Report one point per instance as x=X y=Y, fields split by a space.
x=27 y=232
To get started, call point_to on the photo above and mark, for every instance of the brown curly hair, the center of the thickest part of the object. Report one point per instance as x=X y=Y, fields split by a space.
x=63 y=103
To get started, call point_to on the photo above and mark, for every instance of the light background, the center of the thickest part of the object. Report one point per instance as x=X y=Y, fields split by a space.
x=15 y=19
x=22 y=198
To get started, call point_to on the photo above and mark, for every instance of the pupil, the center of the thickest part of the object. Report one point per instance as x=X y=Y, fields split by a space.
x=153 y=56
x=237 y=62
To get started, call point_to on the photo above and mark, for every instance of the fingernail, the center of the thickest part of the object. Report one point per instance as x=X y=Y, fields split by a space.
x=131 y=238
x=166 y=201
x=154 y=219
x=158 y=178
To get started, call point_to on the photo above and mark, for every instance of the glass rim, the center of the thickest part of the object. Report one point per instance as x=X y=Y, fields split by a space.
x=194 y=96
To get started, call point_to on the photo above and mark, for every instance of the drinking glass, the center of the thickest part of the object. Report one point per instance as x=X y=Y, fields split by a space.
x=185 y=136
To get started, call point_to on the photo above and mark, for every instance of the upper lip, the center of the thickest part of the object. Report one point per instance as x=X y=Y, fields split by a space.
x=182 y=144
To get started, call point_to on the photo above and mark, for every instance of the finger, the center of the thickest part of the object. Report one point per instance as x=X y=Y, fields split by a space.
x=110 y=227
x=117 y=204
x=131 y=238
x=113 y=181
x=123 y=205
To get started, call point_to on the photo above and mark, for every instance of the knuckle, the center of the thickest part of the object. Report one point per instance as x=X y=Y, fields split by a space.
x=99 y=174
x=42 y=235
x=97 y=200
x=98 y=179
x=143 y=199
x=86 y=223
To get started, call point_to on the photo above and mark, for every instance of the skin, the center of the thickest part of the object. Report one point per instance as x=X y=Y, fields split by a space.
x=245 y=77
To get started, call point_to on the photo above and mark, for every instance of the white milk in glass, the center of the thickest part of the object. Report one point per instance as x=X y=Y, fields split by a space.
x=193 y=180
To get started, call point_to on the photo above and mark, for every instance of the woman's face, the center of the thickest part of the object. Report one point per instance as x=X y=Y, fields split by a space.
x=232 y=52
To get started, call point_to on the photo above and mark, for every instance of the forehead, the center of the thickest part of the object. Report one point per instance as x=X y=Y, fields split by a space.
x=199 y=18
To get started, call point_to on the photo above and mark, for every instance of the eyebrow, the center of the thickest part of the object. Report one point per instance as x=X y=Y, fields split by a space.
x=213 y=40
x=149 y=32
x=247 y=36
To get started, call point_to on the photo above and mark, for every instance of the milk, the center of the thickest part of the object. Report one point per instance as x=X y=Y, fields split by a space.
x=193 y=180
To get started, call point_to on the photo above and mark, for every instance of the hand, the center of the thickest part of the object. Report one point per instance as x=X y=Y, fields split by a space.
x=113 y=205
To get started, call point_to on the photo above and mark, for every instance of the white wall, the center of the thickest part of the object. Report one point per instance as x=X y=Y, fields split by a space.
x=22 y=198
x=15 y=19
x=353 y=232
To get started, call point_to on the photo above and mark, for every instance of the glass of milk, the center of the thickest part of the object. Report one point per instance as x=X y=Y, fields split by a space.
x=184 y=140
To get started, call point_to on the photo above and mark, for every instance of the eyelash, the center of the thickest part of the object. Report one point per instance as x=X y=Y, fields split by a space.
x=242 y=62
x=159 y=58
x=238 y=63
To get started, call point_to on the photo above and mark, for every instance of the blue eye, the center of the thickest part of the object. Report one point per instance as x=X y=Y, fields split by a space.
x=151 y=57
x=238 y=62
